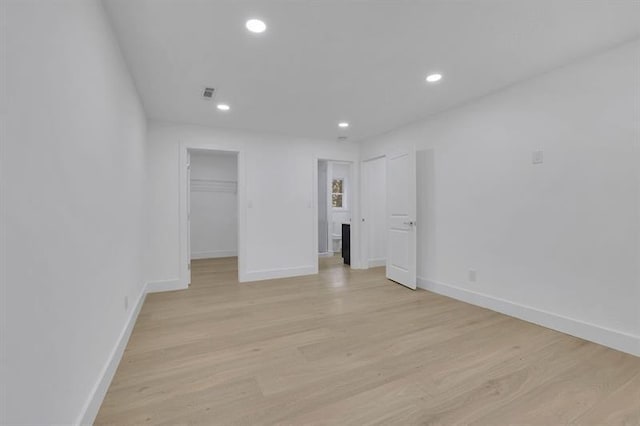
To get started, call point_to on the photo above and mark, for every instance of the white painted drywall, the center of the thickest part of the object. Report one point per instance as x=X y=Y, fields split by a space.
x=281 y=192
x=73 y=173
x=374 y=198
x=214 y=205
x=560 y=237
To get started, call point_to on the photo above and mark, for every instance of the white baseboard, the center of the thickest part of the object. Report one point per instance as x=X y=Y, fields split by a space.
x=213 y=254
x=374 y=263
x=91 y=407
x=615 y=339
x=166 y=285
x=90 y=410
x=325 y=254
x=268 y=274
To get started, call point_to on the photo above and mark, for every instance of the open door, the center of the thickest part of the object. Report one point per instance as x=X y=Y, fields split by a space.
x=401 y=218
x=189 y=217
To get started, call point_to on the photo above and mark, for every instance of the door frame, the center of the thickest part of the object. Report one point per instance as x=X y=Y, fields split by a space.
x=366 y=230
x=329 y=251
x=184 y=261
x=354 y=210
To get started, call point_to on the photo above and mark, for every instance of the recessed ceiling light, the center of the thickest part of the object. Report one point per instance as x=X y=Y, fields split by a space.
x=432 y=78
x=343 y=124
x=256 y=25
x=223 y=107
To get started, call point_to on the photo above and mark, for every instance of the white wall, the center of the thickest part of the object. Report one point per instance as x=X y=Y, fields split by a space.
x=558 y=242
x=214 y=205
x=73 y=175
x=280 y=210
x=374 y=199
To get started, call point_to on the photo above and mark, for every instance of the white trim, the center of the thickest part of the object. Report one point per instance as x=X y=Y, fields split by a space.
x=183 y=213
x=316 y=218
x=374 y=263
x=615 y=339
x=165 y=285
x=325 y=254
x=213 y=254
x=267 y=274
x=92 y=405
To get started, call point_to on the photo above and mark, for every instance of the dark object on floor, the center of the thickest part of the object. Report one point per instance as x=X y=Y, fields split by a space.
x=346 y=243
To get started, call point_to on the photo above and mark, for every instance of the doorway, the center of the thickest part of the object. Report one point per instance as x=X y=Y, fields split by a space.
x=374 y=211
x=336 y=200
x=212 y=214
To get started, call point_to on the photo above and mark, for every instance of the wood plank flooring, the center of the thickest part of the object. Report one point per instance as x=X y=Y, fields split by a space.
x=350 y=347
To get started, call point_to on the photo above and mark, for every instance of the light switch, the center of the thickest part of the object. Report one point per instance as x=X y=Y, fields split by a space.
x=537 y=157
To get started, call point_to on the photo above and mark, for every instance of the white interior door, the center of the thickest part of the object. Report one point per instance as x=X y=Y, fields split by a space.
x=401 y=218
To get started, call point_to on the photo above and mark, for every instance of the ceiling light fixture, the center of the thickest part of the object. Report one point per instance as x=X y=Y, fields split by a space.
x=256 y=26
x=432 y=78
x=223 y=107
x=343 y=124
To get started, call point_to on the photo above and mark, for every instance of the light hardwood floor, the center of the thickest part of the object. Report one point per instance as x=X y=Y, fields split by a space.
x=350 y=347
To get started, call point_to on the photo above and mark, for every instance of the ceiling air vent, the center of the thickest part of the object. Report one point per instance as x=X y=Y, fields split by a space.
x=207 y=93
x=342 y=138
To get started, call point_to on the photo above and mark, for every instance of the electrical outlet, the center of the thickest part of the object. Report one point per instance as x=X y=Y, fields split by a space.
x=473 y=275
x=126 y=303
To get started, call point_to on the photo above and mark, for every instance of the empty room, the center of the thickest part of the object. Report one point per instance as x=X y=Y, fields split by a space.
x=335 y=212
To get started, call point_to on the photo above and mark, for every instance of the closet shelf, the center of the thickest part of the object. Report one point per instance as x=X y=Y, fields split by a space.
x=212 y=185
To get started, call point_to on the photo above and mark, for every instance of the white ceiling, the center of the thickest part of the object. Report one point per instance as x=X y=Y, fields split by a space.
x=320 y=62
